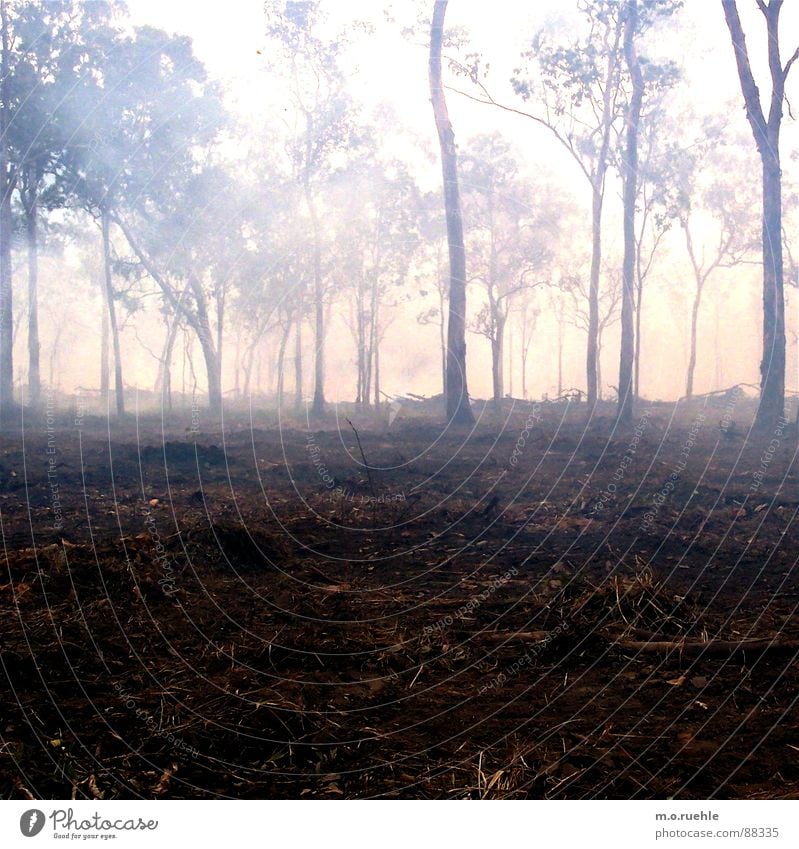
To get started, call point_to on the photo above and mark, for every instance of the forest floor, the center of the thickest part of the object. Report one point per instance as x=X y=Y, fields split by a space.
x=529 y=609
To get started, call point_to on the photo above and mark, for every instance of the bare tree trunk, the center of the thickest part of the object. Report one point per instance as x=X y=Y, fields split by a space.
x=54 y=355
x=281 y=360
x=298 y=363
x=524 y=371
x=377 y=375
x=318 y=407
x=166 y=363
x=594 y=343
x=6 y=228
x=34 y=347
x=373 y=354
x=183 y=369
x=497 y=354
x=560 y=358
x=527 y=328
x=220 y=326
x=459 y=410
x=510 y=359
x=637 y=364
x=627 y=353
x=689 y=380
x=772 y=367
x=360 y=343
x=599 y=364
x=259 y=370
x=105 y=353
x=376 y=351
x=592 y=349
x=717 y=349
x=188 y=355
x=248 y=361
x=237 y=366
x=525 y=351
x=210 y=354
x=442 y=338
x=766 y=132
x=119 y=387
x=496 y=375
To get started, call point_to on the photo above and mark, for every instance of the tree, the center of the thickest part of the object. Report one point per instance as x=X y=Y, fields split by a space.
x=52 y=49
x=271 y=290
x=459 y=410
x=377 y=205
x=146 y=113
x=732 y=244
x=575 y=286
x=432 y=262
x=656 y=213
x=321 y=129
x=7 y=181
x=581 y=93
x=580 y=88
x=190 y=248
x=528 y=313
x=508 y=239
x=707 y=200
x=766 y=132
x=630 y=179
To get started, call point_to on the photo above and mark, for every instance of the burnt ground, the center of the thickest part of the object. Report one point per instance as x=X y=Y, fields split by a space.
x=540 y=611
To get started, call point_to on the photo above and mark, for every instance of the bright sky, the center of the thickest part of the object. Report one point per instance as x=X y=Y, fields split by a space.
x=395 y=72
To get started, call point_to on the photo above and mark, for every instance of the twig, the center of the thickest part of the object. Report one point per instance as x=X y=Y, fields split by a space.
x=365 y=462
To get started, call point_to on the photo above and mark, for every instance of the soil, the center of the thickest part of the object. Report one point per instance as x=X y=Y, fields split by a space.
x=529 y=609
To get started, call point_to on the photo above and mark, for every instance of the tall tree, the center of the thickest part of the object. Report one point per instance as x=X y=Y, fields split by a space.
x=734 y=242
x=509 y=238
x=766 y=132
x=190 y=247
x=433 y=263
x=51 y=51
x=459 y=410
x=630 y=178
x=581 y=91
x=147 y=113
x=713 y=206
x=580 y=87
x=321 y=129
x=575 y=286
x=377 y=205
x=7 y=181
x=657 y=211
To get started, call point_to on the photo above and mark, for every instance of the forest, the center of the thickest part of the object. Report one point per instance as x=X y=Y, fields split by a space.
x=399 y=400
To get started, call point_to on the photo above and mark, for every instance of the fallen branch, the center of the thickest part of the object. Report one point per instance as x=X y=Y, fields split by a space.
x=713 y=647
x=693 y=647
x=535 y=636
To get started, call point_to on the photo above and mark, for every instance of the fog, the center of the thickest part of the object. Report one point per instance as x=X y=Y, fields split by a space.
x=399 y=400
x=373 y=66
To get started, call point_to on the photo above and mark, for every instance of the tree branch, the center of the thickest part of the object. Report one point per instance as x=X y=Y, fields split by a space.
x=788 y=64
x=177 y=303
x=754 y=109
x=488 y=100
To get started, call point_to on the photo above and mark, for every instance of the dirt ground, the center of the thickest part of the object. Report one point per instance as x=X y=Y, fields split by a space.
x=530 y=609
